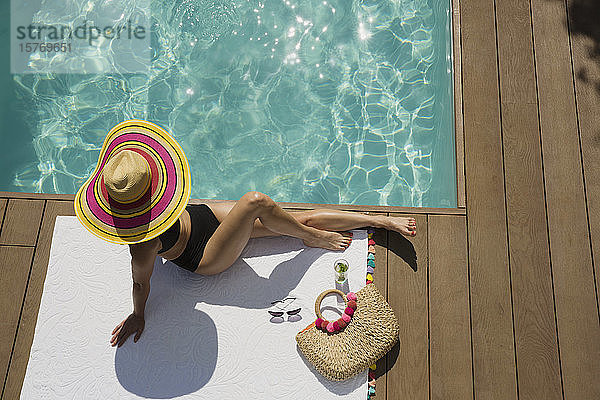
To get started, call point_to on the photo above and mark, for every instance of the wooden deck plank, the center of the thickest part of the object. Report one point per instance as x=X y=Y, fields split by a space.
x=516 y=74
x=493 y=345
x=16 y=262
x=574 y=288
x=2 y=209
x=408 y=378
x=533 y=301
x=458 y=104
x=538 y=368
x=18 y=365
x=449 y=316
x=22 y=222
x=36 y=196
x=381 y=244
x=381 y=274
x=587 y=88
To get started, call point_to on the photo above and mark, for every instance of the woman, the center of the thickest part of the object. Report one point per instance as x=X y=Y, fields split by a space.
x=138 y=195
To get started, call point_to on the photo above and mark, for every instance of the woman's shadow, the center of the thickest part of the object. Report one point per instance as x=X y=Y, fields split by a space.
x=177 y=352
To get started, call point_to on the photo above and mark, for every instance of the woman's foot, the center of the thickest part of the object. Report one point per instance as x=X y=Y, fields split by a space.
x=403 y=225
x=329 y=240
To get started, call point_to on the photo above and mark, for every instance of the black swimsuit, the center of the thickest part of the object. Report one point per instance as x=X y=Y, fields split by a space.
x=204 y=224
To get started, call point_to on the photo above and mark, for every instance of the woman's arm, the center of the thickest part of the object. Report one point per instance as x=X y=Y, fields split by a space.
x=142 y=265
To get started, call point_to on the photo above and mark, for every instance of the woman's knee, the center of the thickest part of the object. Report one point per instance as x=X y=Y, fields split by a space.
x=257 y=200
x=208 y=269
x=206 y=272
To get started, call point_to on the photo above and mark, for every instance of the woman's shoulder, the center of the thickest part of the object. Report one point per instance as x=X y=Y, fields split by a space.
x=152 y=245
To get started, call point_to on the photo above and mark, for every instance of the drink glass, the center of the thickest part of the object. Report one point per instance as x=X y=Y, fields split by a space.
x=341 y=267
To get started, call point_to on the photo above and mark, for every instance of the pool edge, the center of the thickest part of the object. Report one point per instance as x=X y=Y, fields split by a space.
x=300 y=206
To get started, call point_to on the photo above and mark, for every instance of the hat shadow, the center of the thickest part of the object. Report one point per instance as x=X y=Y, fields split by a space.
x=247 y=289
x=178 y=350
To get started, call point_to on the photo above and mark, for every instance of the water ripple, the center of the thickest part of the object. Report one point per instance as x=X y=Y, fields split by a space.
x=331 y=101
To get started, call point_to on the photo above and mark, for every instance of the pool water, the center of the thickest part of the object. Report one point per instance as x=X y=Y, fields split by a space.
x=336 y=101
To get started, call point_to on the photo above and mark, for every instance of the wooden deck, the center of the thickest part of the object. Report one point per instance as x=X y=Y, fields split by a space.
x=498 y=300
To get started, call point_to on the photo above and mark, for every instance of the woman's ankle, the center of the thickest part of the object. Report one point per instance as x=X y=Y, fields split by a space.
x=380 y=221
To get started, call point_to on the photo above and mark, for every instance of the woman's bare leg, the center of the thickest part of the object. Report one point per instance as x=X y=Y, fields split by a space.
x=329 y=220
x=337 y=220
x=232 y=235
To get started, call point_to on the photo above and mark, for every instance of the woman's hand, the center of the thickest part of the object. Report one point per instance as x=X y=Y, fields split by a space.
x=129 y=325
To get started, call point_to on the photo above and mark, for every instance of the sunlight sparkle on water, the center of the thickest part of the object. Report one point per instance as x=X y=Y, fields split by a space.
x=291 y=58
x=363 y=33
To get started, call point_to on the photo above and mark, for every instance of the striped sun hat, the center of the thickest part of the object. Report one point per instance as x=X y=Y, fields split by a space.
x=140 y=186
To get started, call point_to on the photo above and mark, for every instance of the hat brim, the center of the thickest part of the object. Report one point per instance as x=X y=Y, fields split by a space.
x=160 y=206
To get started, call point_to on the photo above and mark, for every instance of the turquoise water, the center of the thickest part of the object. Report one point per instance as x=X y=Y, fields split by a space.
x=333 y=101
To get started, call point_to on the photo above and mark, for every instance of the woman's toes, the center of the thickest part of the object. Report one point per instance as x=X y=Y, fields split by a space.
x=411 y=231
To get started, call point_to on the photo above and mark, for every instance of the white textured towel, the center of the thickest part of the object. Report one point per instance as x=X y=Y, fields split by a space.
x=206 y=337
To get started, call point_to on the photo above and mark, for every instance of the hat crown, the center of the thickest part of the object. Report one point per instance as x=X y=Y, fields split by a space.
x=126 y=176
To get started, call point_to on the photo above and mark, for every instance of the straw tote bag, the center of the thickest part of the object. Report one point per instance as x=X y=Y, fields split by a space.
x=370 y=334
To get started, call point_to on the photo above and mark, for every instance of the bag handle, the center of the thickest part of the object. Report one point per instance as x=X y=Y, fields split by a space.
x=322 y=295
